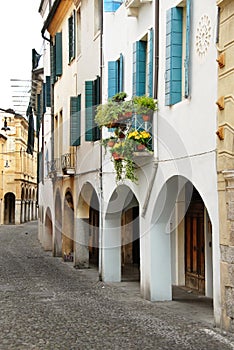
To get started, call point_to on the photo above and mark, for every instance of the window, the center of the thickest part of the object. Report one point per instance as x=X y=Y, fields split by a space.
x=115 y=76
x=143 y=65
x=75 y=106
x=177 y=52
x=72 y=36
x=92 y=99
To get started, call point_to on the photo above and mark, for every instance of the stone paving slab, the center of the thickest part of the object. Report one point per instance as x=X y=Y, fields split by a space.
x=47 y=304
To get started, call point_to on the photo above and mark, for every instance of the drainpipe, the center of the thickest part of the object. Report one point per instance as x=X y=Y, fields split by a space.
x=156 y=58
x=101 y=155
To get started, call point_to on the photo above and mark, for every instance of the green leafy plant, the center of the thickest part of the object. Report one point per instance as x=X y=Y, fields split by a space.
x=120 y=96
x=144 y=104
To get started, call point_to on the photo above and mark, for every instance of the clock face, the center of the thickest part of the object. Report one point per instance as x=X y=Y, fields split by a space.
x=203 y=35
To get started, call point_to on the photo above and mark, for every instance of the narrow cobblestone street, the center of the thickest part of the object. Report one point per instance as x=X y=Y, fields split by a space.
x=47 y=304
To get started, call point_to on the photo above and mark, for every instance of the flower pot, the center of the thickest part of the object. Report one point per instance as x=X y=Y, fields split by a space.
x=145 y=117
x=125 y=116
x=117 y=156
x=111 y=143
x=140 y=147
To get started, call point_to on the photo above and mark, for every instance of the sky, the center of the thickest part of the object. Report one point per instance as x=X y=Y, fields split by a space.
x=20 y=32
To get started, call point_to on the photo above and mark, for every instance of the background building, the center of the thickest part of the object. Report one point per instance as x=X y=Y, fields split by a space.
x=225 y=159
x=18 y=189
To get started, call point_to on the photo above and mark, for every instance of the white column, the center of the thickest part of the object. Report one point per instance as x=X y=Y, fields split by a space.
x=160 y=253
x=81 y=243
x=17 y=211
x=111 y=249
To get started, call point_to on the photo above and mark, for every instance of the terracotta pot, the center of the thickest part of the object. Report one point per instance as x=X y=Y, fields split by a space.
x=140 y=147
x=111 y=143
x=145 y=117
x=117 y=156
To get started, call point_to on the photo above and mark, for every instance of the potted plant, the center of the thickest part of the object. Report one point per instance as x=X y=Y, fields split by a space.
x=145 y=106
x=107 y=113
x=141 y=138
x=119 y=97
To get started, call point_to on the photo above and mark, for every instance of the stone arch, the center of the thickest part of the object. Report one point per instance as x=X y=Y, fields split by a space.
x=57 y=247
x=9 y=208
x=121 y=237
x=169 y=232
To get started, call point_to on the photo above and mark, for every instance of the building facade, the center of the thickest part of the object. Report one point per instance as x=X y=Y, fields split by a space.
x=162 y=228
x=18 y=172
x=225 y=159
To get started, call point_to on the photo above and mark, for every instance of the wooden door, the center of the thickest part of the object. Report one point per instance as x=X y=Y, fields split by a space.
x=194 y=244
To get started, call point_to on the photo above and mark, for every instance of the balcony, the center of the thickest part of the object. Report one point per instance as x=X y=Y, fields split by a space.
x=133 y=5
x=68 y=163
x=54 y=168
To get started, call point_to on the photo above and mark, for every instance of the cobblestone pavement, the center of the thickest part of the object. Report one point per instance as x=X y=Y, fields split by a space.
x=45 y=303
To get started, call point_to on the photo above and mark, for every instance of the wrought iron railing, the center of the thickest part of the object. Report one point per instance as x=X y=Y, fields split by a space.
x=54 y=166
x=68 y=162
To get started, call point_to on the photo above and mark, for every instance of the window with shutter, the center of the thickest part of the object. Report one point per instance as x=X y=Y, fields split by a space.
x=115 y=76
x=177 y=51
x=92 y=99
x=139 y=68
x=72 y=36
x=142 y=80
x=112 y=78
x=173 y=87
x=75 y=111
x=58 y=54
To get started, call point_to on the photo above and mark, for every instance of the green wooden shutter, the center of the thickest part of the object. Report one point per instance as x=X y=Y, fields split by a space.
x=75 y=107
x=97 y=101
x=89 y=111
x=92 y=98
x=39 y=114
x=112 y=78
x=72 y=36
x=150 y=63
x=52 y=63
x=121 y=73
x=44 y=98
x=58 y=54
x=187 y=57
x=48 y=91
x=173 y=56
x=139 y=68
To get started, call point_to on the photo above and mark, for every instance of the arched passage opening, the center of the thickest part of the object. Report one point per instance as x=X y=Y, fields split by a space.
x=121 y=238
x=181 y=241
x=87 y=228
x=57 y=247
x=48 y=233
x=9 y=208
x=68 y=228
